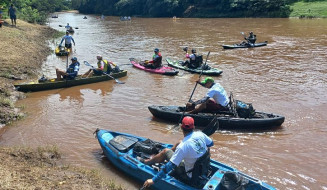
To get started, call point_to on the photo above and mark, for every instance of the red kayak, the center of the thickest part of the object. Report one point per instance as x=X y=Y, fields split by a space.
x=161 y=70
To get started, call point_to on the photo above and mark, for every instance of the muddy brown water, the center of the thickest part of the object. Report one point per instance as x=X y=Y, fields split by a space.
x=287 y=77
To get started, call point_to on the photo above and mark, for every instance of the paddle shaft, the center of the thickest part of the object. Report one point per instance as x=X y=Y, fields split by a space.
x=63 y=26
x=194 y=87
x=118 y=81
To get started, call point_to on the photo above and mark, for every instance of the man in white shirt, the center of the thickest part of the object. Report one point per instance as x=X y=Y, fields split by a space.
x=183 y=155
x=215 y=100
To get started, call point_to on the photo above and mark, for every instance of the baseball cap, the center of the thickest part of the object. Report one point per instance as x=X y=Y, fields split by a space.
x=188 y=123
x=74 y=58
x=156 y=50
x=207 y=79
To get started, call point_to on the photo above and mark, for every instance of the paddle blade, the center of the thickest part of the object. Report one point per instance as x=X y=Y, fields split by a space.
x=211 y=127
x=119 y=82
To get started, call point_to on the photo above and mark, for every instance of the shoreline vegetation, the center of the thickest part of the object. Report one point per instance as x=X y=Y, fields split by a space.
x=23 y=50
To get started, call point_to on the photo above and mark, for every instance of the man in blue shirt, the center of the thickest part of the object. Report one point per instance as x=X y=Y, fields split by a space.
x=68 y=40
x=183 y=155
x=71 y=71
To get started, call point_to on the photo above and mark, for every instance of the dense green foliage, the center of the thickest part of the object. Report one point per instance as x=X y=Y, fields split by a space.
x=38 y=10
x=186 y=8
x=35 y=11
x=309 y=9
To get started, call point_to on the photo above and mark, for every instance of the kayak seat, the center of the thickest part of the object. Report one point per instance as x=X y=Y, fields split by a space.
x=123 y=143
x=200 y=171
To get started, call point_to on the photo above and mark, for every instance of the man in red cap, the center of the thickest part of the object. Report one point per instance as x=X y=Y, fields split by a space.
x=183 y=155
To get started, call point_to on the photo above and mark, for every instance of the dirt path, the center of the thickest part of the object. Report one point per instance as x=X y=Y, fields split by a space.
x=22 y=51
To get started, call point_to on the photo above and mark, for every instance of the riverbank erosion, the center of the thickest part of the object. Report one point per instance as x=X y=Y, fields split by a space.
x=41 y=168
x=23 y=50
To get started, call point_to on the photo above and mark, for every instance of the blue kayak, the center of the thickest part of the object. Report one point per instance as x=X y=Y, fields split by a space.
x=118 y=148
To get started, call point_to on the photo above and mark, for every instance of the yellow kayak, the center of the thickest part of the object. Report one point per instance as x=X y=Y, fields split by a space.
x=62 y=51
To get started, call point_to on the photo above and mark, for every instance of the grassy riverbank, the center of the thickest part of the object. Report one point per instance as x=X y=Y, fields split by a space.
x=22 y=52
x=309 y=10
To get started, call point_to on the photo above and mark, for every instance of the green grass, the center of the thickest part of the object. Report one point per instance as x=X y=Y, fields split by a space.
x=312 y=9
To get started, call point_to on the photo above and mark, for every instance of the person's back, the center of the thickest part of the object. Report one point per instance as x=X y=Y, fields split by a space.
x=157 y=60
x=193 y=147
x=252 y=38
x=219 y=94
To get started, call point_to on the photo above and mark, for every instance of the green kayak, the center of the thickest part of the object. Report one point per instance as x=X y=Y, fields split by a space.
x=208 y=71
x=54 y=84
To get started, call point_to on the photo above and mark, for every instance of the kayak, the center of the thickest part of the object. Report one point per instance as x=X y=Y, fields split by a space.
x=234 y=46
x=227 y=120
x=209 y=71
x=50 y=84
x=71 y=30
x=62 y=51
x=119 y=150
x=161 y=70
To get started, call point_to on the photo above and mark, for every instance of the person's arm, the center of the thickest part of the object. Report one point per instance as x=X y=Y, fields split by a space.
x=162 y=173
x=112 y=63
x=204 y=99
x=154 y=58
x=73 y=40
x=62 y=41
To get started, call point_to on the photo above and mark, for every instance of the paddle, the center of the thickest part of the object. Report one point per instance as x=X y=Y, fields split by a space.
x=180 y=120
x=212 y=126
x=64 y=26
x=118 y=81
x=249 y=43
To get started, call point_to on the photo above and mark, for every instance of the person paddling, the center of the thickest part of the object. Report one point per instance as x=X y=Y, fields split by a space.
x=71 y=71
x=251 y=39
x=156 y=61
x=104 y=66
x=215 y=100
x=183 y=155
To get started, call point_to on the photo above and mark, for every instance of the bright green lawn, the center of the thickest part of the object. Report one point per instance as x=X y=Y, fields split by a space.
x=316 y=9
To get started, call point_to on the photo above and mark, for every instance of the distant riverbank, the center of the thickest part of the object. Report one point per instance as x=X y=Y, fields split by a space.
x=309 y=10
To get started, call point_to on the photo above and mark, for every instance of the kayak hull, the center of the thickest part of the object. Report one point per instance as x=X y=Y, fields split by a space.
x=261 y=120
x=121 y=155
x=54 y=84
x=211 y=71
x=161 y=70
x=235 y=46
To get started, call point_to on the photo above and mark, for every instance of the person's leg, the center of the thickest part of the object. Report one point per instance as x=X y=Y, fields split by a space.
x=198 y=108
x=60 y=73
x=87 y=73
x=160 y=157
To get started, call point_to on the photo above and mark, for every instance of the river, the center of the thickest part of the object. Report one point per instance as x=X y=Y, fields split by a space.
x=287 y=77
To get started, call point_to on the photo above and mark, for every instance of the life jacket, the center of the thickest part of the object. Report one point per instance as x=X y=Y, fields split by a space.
x=197 y=61
x=157 y=60
x=106 y=67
